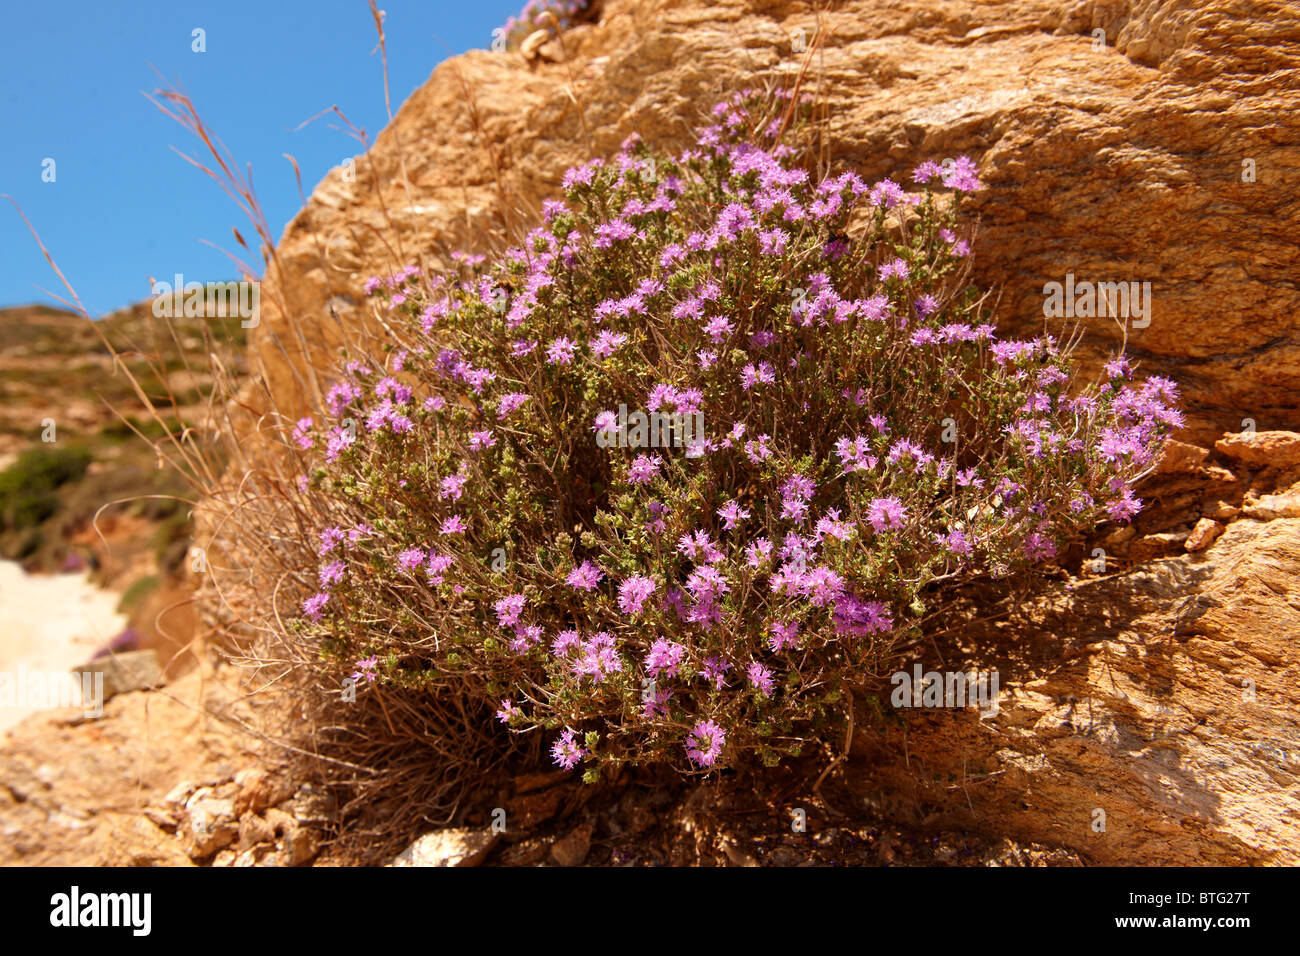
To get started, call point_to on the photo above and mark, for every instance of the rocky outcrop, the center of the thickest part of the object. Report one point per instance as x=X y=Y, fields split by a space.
x=1150 y=717
x=1163 y=149
x=1149 y=712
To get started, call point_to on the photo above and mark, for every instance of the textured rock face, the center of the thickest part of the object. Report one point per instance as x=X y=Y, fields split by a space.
x=1165 y=698
x=1165 y=149
x=1118 y=161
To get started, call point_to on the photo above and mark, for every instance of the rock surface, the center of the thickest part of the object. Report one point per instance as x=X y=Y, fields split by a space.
x=1166 y=151
x=451 y=847
x=1161 y=704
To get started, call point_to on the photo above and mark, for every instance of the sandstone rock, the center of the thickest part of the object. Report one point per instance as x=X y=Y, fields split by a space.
x=1143 y=695
x=301 y=844
x=527 y=811
x=254 y=830
x=571 y=850
x=450 y=847
x=1220 y=510
x=1261 y=449
x=1021 y=87
x=528 y=782
x=180 y=793
x=1158 y=545
x=1181 y=458
x=259 y=790
x=1203 y=535
x=131 y=670
x=1270 y=507
x=210 y=827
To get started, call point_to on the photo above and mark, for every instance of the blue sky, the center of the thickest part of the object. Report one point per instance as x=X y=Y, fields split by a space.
x=123 y=206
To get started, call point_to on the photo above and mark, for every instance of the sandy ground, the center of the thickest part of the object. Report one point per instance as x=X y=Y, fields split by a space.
x=48 y=624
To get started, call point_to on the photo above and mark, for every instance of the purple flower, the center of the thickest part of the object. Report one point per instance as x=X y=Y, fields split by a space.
x=644 y=469
x=451 y=486
x=607 y=343
x=453 y=525
x=715 y=669
x=585 y=576
x=510 y=402
x=560 y=352
x=410 y=559
x=366 y=668
x=312 y=606
x=1124 y=507
x=599 y=658
x=886 y=514
x=508 y=710
x=564 y=642
x=330 y=539
x=760 y=678
x=565 y=752
x=784 y=635
x=665 y=657
x=332 y=573
x=855 y=617
x=758 y=553
x=633 y=592
x=732 y=514
x=509 y=608
x=704 y=745
x=437 y=569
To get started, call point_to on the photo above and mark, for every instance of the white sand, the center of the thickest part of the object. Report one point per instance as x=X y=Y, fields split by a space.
x=48 y=624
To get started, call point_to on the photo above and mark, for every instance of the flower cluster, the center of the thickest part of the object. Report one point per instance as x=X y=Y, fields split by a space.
x=868 y=438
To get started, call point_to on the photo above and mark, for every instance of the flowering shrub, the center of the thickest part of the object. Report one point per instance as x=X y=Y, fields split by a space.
x=867 y=440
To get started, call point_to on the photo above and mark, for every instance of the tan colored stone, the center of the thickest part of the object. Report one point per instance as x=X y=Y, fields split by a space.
x=1220 y=510
x=1261 y=449
x=1270 y=507
x=1203 y=535
x=450 y=847
x=1181 y=458
x=572 y=849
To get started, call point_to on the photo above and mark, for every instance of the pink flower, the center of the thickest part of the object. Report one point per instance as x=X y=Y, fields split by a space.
x=312 y=606
x=644 y=469
x=510 y=402
x=508 y=710
x=732 y=514
x=453 y=525
x=665 y=657
x=565 y=752
x=451 y=486
x=633 y=592
x=886 y=514
x=560 y=352
x=585 y=576
x=509 y=608
x=332 y=573
x=784 y=635
x=704 y=745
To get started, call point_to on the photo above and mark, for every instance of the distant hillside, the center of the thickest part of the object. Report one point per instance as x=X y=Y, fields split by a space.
x=54 y=366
